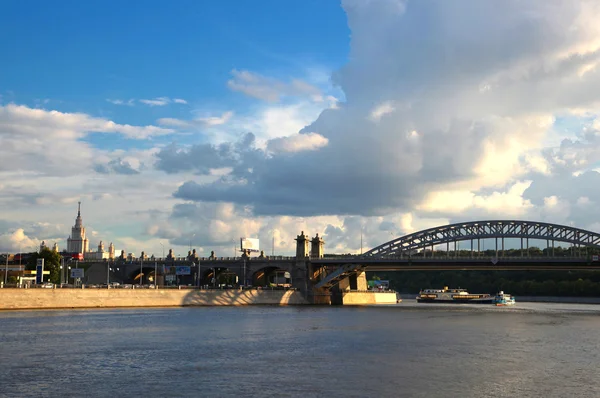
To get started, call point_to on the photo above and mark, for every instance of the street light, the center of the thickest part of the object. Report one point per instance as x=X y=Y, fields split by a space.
x=6 y=271
x=141 y=269
x=155 y=279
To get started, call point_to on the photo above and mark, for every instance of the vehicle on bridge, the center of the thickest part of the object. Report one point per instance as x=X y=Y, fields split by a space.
x=456 y=296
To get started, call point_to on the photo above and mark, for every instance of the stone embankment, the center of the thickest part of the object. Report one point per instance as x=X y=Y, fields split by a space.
x=21 y=299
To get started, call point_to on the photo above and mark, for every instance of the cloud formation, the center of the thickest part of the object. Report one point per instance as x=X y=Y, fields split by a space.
x=207 y=121
x=162 y=101
x=436 y=102
x=270 y=89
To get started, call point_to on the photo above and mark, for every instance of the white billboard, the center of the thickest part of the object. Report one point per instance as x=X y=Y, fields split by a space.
x=77 y=273
x=250 y=244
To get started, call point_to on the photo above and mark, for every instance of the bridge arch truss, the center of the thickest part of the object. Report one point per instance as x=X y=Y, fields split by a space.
x=470 y=231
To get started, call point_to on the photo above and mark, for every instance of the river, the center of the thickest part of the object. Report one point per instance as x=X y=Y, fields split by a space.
x=404 y=350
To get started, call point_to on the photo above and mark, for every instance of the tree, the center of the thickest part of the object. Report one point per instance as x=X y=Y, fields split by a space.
x=51 y=263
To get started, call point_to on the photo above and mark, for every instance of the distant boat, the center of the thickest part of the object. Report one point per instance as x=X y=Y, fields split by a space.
x=456 y=296
x=502 y=299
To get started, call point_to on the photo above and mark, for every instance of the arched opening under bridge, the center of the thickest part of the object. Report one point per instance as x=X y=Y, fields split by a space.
x=146 y=274
x=218 y=277
x=272 y=277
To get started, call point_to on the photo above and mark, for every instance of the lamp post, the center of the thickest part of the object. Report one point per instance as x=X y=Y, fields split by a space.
x=6 y=270
x=107 y=274
x=141 y=269
x=245 y=280
x=155 y=279
x=199 y=273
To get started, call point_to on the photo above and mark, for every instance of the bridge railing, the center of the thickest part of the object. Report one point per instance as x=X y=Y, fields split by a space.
x=184 y=259
x=366 y=260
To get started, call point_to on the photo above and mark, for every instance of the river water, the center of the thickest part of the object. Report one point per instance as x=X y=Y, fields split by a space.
x=405 y=350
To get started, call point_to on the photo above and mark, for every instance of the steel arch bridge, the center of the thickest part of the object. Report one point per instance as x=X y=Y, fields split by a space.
x=403 y=247
x=470 y=231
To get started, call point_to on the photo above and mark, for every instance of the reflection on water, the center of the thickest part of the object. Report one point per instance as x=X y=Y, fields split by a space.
x=412 y=350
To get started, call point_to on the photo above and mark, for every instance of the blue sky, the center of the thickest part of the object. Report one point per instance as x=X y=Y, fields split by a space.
x=226 y=119
x=77 y=54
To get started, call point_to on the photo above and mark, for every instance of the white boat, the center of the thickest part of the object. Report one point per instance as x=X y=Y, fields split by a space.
x=456 y=296
x=502 y=299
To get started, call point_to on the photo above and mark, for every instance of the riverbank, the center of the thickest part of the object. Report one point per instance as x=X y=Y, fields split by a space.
x=25 y=299
x=536 y=299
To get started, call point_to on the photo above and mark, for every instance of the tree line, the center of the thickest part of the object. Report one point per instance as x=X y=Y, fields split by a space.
x=523 y=283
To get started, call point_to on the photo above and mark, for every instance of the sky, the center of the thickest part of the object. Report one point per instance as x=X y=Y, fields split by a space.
x=193 y=124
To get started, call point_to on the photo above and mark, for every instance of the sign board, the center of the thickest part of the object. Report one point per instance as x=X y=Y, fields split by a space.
x=77 y=273
x=594 y=258
x=250 y=244
x=39 y=271
x=170 y=278
x=494 y=260
x=182 y=270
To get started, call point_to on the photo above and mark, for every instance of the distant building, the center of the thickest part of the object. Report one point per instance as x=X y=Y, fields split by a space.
x=77 y=242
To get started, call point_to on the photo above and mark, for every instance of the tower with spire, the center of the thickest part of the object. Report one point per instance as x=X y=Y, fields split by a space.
x=77 y=242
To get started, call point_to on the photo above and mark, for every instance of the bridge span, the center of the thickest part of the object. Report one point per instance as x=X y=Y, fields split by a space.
x=416 y=251
x=314 y=273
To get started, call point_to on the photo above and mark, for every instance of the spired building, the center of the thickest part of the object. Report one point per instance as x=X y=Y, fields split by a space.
x=77 y=242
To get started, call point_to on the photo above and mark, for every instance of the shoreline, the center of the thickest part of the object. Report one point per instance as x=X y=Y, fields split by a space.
x=536 y=299
x=68 y=299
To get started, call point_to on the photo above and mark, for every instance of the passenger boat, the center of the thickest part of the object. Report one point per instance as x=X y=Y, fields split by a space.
x=503 y=299
x=457 y=296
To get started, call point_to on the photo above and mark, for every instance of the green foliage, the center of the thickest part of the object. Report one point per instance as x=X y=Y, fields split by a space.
x=523 y=283
x=51 y=263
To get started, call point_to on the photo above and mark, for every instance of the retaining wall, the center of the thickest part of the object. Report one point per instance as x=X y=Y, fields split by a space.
x=19 y=299
x=359 y=298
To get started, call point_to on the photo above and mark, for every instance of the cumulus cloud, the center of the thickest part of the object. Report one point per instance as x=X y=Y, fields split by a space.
x=207 y=121
x=270 y=89
x=118 y=166
x=16 y=241
x=203 y=158
x=41 y=141
x=297 y=143
x=436 y=101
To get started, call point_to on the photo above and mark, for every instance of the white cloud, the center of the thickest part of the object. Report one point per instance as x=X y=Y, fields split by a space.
x=130 y=102
x=207 y=121
x=32 y=138
x=270 y=89
x=17 y=241
x=162 y=101
x=159 y=101
x=459 y=203
x=381 y=110
x=297 y=143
